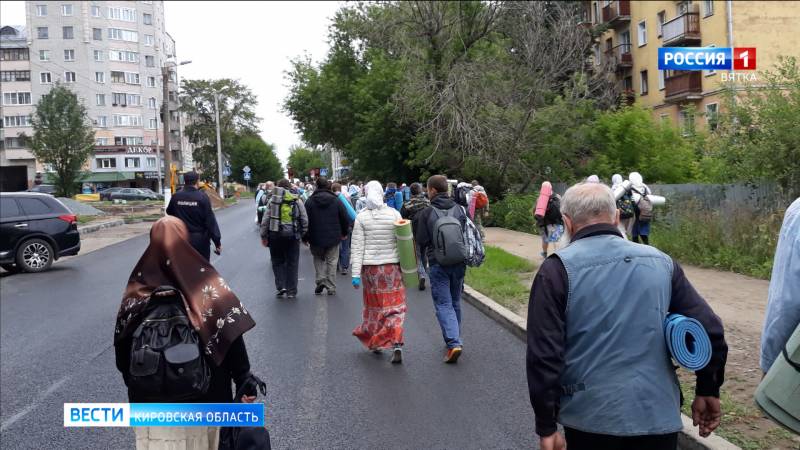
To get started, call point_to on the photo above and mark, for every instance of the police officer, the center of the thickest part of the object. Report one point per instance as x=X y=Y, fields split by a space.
x=194 y=208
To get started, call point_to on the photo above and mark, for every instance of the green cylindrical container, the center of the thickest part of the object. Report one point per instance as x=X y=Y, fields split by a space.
x=778 y=395
x=407 y=251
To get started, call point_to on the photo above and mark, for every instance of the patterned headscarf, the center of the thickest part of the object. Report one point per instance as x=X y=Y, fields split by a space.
x=213 y=309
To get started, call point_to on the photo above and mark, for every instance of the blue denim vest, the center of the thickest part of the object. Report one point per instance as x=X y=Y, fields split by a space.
x=618 y=378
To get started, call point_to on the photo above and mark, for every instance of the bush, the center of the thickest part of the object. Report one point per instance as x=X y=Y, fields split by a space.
x=514 y=212
x=738 y=238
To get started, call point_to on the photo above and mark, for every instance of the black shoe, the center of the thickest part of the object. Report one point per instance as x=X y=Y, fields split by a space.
x=331 y=291
x=319 y=289
x=343 y=271
x=397 y=355
x=422 y=284
x=281 y=292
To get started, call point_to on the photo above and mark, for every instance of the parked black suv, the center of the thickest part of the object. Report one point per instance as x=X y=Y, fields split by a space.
x=35 y=230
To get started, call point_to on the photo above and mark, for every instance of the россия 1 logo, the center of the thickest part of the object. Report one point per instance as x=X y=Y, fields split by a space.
x=706 y=58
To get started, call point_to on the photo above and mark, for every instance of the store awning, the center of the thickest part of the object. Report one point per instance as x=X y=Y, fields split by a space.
x=99 y=177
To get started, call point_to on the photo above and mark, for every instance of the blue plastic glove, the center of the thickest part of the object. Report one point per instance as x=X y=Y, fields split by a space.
x=356 y=282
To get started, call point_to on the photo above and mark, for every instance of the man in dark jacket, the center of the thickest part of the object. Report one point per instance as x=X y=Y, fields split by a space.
x=193 y=207
x=601 y=367
x=410 y=210
x=328 y=225
x=447 y=282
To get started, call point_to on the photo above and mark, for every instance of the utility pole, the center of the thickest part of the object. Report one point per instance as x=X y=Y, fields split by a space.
x=158 y=157
x=219 y=146
x=165 y=123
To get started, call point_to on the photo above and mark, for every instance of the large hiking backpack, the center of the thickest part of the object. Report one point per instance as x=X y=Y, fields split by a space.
x=481 y=200
x=625 y=206
x=552 y=215
x=167 y=364
x=474 y=244
x=449 y=246
x=645 y=207
x=461 y=195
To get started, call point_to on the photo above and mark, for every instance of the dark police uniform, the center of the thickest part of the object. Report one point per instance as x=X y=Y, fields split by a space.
x=194 y=208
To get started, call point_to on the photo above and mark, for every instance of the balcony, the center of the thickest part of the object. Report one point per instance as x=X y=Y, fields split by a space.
x=18 y=153
x=682 y=30
x=620 y=56
x=617 y=13
x=683 y=85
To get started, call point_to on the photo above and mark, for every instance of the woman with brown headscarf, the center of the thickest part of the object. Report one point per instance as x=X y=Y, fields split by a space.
x=216 y=314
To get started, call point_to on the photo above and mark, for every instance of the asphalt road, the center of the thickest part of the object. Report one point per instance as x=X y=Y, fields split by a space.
x=324 y=389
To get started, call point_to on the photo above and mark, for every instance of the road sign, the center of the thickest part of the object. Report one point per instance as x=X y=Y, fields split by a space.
x=246 y=169
x=247 y=176
x=323 y=172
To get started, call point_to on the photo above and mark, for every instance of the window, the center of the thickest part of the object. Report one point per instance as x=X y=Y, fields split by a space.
x=134 y=100
x=41 y=10
x=42 y=33
x=124 y=77
x=14 y=142
x=16 y=98
x=98 y=55
x=106 y=163
x=69 y=77
x=69 y=55
x=66 y=10
x=708 y=8
x=131 y=78
x=100 y=99
x=712 y=116
x=97 y=34
x=67 y=32
x=96 y=11
x=15 y=75
x=685 y=122
x=643 y=88
x=101 y=141
x=118 y=99
x=149 y=40
x=682 y=7
x=147 y=19
x=711 y=72
x=123 y=56
x=132 y=162
x=152 y=124
x=597 y=18
x=661 y=17
x=151 y=82
x=126 y=120
x=101 y=121
x=44 y=55
x=119 y=34
x=661 y=81
x=14 y=54
x=151 y=103
x=642 y=33
x=150 y=61
x=9 y=208
x=34 y=206
x=17 y=121
x=124 y=14
x=151 y=162
x=128 y=140
x=100 y=77
x=45 y=78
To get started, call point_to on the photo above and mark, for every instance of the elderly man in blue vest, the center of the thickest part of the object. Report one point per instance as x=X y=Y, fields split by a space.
x=597 y=359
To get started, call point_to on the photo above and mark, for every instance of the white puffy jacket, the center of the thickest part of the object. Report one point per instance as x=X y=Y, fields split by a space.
x=374 y=242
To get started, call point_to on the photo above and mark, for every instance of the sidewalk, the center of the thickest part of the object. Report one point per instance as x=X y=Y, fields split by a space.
x=739 y=300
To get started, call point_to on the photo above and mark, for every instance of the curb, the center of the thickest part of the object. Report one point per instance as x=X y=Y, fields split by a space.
x=688 y=439
x=92 y=227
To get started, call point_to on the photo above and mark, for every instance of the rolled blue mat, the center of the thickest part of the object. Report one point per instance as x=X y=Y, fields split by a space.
x=350 y=211
x=398 y=200
x=687 y=341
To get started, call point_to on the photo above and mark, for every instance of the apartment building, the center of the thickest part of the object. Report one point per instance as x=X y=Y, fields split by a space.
x=115 y=55
x=17 y=164
x=636 y=29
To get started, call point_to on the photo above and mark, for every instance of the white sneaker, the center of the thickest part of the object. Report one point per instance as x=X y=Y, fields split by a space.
x=397 y=355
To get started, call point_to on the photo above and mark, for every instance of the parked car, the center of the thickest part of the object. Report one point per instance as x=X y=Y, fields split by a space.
x=44 y=189
x=150 y=191
x=105 y=194
x=133 y=194
x=35 y=230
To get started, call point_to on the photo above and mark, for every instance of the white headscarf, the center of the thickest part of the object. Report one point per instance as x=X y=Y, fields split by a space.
x=616 y=180
x=374 y=195
x=593 y=179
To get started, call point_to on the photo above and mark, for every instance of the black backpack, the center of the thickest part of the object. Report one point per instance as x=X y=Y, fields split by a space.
x=167 y=364
x=553 y=213
x=448 y=237
x=461 y=194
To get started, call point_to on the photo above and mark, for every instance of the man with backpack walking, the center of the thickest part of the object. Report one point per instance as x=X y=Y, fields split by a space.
x=479 y=206
x=285 y=222
x=440 y=233
x=328 y=226
x=643 y=208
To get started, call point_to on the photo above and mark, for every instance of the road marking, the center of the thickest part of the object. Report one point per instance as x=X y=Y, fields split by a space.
x=311 y=393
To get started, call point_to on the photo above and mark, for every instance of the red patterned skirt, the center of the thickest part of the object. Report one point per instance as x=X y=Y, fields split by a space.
x=384 y=307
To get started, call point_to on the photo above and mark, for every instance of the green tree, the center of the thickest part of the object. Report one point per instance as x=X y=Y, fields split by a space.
x=237 y=116
x=302 y=160
x=630 y=140
x=62 y=137
x=251 y=150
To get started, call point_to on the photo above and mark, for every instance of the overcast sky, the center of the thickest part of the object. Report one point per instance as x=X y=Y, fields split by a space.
x=251 y=41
